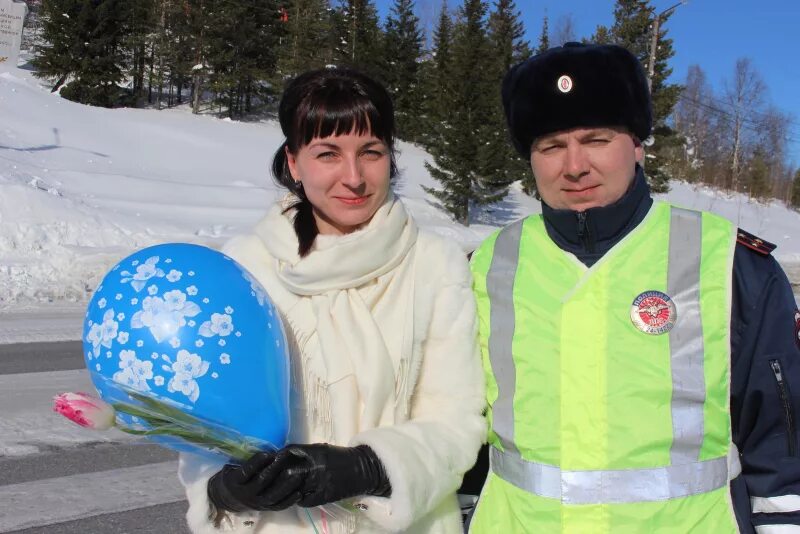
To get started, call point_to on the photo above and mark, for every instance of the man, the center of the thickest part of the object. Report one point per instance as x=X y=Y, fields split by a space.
x=640 y=357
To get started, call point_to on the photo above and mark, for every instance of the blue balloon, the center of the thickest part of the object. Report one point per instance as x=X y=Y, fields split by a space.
x=187 y=324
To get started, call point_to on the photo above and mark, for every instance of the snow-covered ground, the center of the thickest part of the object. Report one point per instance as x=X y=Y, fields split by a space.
x=81 y=187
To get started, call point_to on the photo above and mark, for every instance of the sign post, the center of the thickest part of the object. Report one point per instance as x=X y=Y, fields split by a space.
x=12 y=16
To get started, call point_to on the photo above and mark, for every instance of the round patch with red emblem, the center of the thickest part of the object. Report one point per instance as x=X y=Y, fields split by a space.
x=653 y=312
x=564 y=84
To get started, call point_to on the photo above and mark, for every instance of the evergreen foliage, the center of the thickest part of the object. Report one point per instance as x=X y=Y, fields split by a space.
x=795 y=197
x=632 y=29
x=499 y=162
x=359 y=37
x=242 y=51
x=403 y=45
x=544 y=37
x=758 y=176
x=436 y=82
x=457 y=159
x=307 y=44
x=83 y=46
x=141 y=21
x=602 y=35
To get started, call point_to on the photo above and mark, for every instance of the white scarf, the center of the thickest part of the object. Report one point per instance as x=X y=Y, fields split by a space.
x=361 y=291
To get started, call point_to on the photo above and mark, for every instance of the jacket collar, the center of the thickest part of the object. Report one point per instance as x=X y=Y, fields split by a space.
x=590 y=234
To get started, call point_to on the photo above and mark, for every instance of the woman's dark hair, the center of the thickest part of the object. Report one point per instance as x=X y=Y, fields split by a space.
x=321 y=103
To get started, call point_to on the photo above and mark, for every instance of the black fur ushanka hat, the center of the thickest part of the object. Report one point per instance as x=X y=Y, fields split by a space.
x=576 y=85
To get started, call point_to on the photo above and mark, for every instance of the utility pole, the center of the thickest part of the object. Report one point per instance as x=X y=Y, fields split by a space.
x=651 y=64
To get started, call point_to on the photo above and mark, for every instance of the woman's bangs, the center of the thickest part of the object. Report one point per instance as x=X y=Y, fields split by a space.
x=340 y=118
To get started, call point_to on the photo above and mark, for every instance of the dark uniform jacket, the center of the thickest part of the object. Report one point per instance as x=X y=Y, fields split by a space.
x=765 y=356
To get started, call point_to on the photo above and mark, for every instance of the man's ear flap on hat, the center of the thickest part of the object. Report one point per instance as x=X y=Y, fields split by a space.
x=638 y=147
x=513 y=106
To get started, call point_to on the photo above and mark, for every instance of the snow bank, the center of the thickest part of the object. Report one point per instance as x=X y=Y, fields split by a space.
x=82 y=187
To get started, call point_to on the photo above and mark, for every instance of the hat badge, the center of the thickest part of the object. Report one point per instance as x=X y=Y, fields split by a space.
x=653 y=312
x=564 y=84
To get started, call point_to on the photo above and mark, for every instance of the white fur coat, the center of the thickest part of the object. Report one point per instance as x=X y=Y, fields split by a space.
x=430 y=443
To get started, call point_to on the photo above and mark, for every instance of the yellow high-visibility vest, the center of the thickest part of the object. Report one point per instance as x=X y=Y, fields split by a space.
x=608 y=386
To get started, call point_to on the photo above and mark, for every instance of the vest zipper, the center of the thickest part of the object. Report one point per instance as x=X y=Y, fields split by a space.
x=788 y=413
x=583 y=232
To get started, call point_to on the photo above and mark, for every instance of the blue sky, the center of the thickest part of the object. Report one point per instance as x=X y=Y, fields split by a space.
x=710 y=33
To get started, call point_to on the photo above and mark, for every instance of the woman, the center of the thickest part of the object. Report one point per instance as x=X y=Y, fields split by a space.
x=381 y=321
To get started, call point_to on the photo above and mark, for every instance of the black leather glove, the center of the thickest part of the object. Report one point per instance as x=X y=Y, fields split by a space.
x=307 y=475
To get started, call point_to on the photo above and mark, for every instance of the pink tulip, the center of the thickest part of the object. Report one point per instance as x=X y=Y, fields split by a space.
x=86 y=410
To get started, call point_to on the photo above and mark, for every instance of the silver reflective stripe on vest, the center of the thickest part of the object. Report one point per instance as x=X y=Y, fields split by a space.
x=686 y=337
x=500 y=288
x=686 y=475
x=611 y=486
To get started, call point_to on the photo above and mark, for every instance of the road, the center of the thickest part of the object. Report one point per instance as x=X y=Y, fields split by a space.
x=57 y=478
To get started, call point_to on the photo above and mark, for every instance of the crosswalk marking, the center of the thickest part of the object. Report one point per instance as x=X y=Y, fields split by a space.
x=55 y=500
x=27 y=420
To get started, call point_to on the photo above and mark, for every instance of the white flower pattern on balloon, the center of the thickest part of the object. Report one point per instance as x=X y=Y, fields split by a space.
x=144 y=272
x=102 y=335
x=221 y=324
x=187 y=367
x=258 y=291
x=164 y=317
x=163 y=311
x=175 y=300
x=134 y=372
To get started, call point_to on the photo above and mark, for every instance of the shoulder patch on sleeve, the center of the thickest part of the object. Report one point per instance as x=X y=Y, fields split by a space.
x=754 y=242
x=797 y=328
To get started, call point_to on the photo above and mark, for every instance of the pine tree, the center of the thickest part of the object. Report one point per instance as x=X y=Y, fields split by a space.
x=242 y=51
x=307 y=44
x=632 y=29
x=602 y=35
x=758 y=186
x=544 y=37
x=403 y=48
x=83 y=40
x=359 y=37
x=141 y=21
x=500 y=165
x=457 y=166
x=795 y=199
x=436 y=81
x=56 y=55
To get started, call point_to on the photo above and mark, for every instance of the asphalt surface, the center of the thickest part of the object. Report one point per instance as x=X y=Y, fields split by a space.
x=40 y=357
x=59 y=463
x=161 y=519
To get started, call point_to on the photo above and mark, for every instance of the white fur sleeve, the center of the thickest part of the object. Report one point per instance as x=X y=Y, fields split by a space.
x=426 y=457
x=194 y=472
